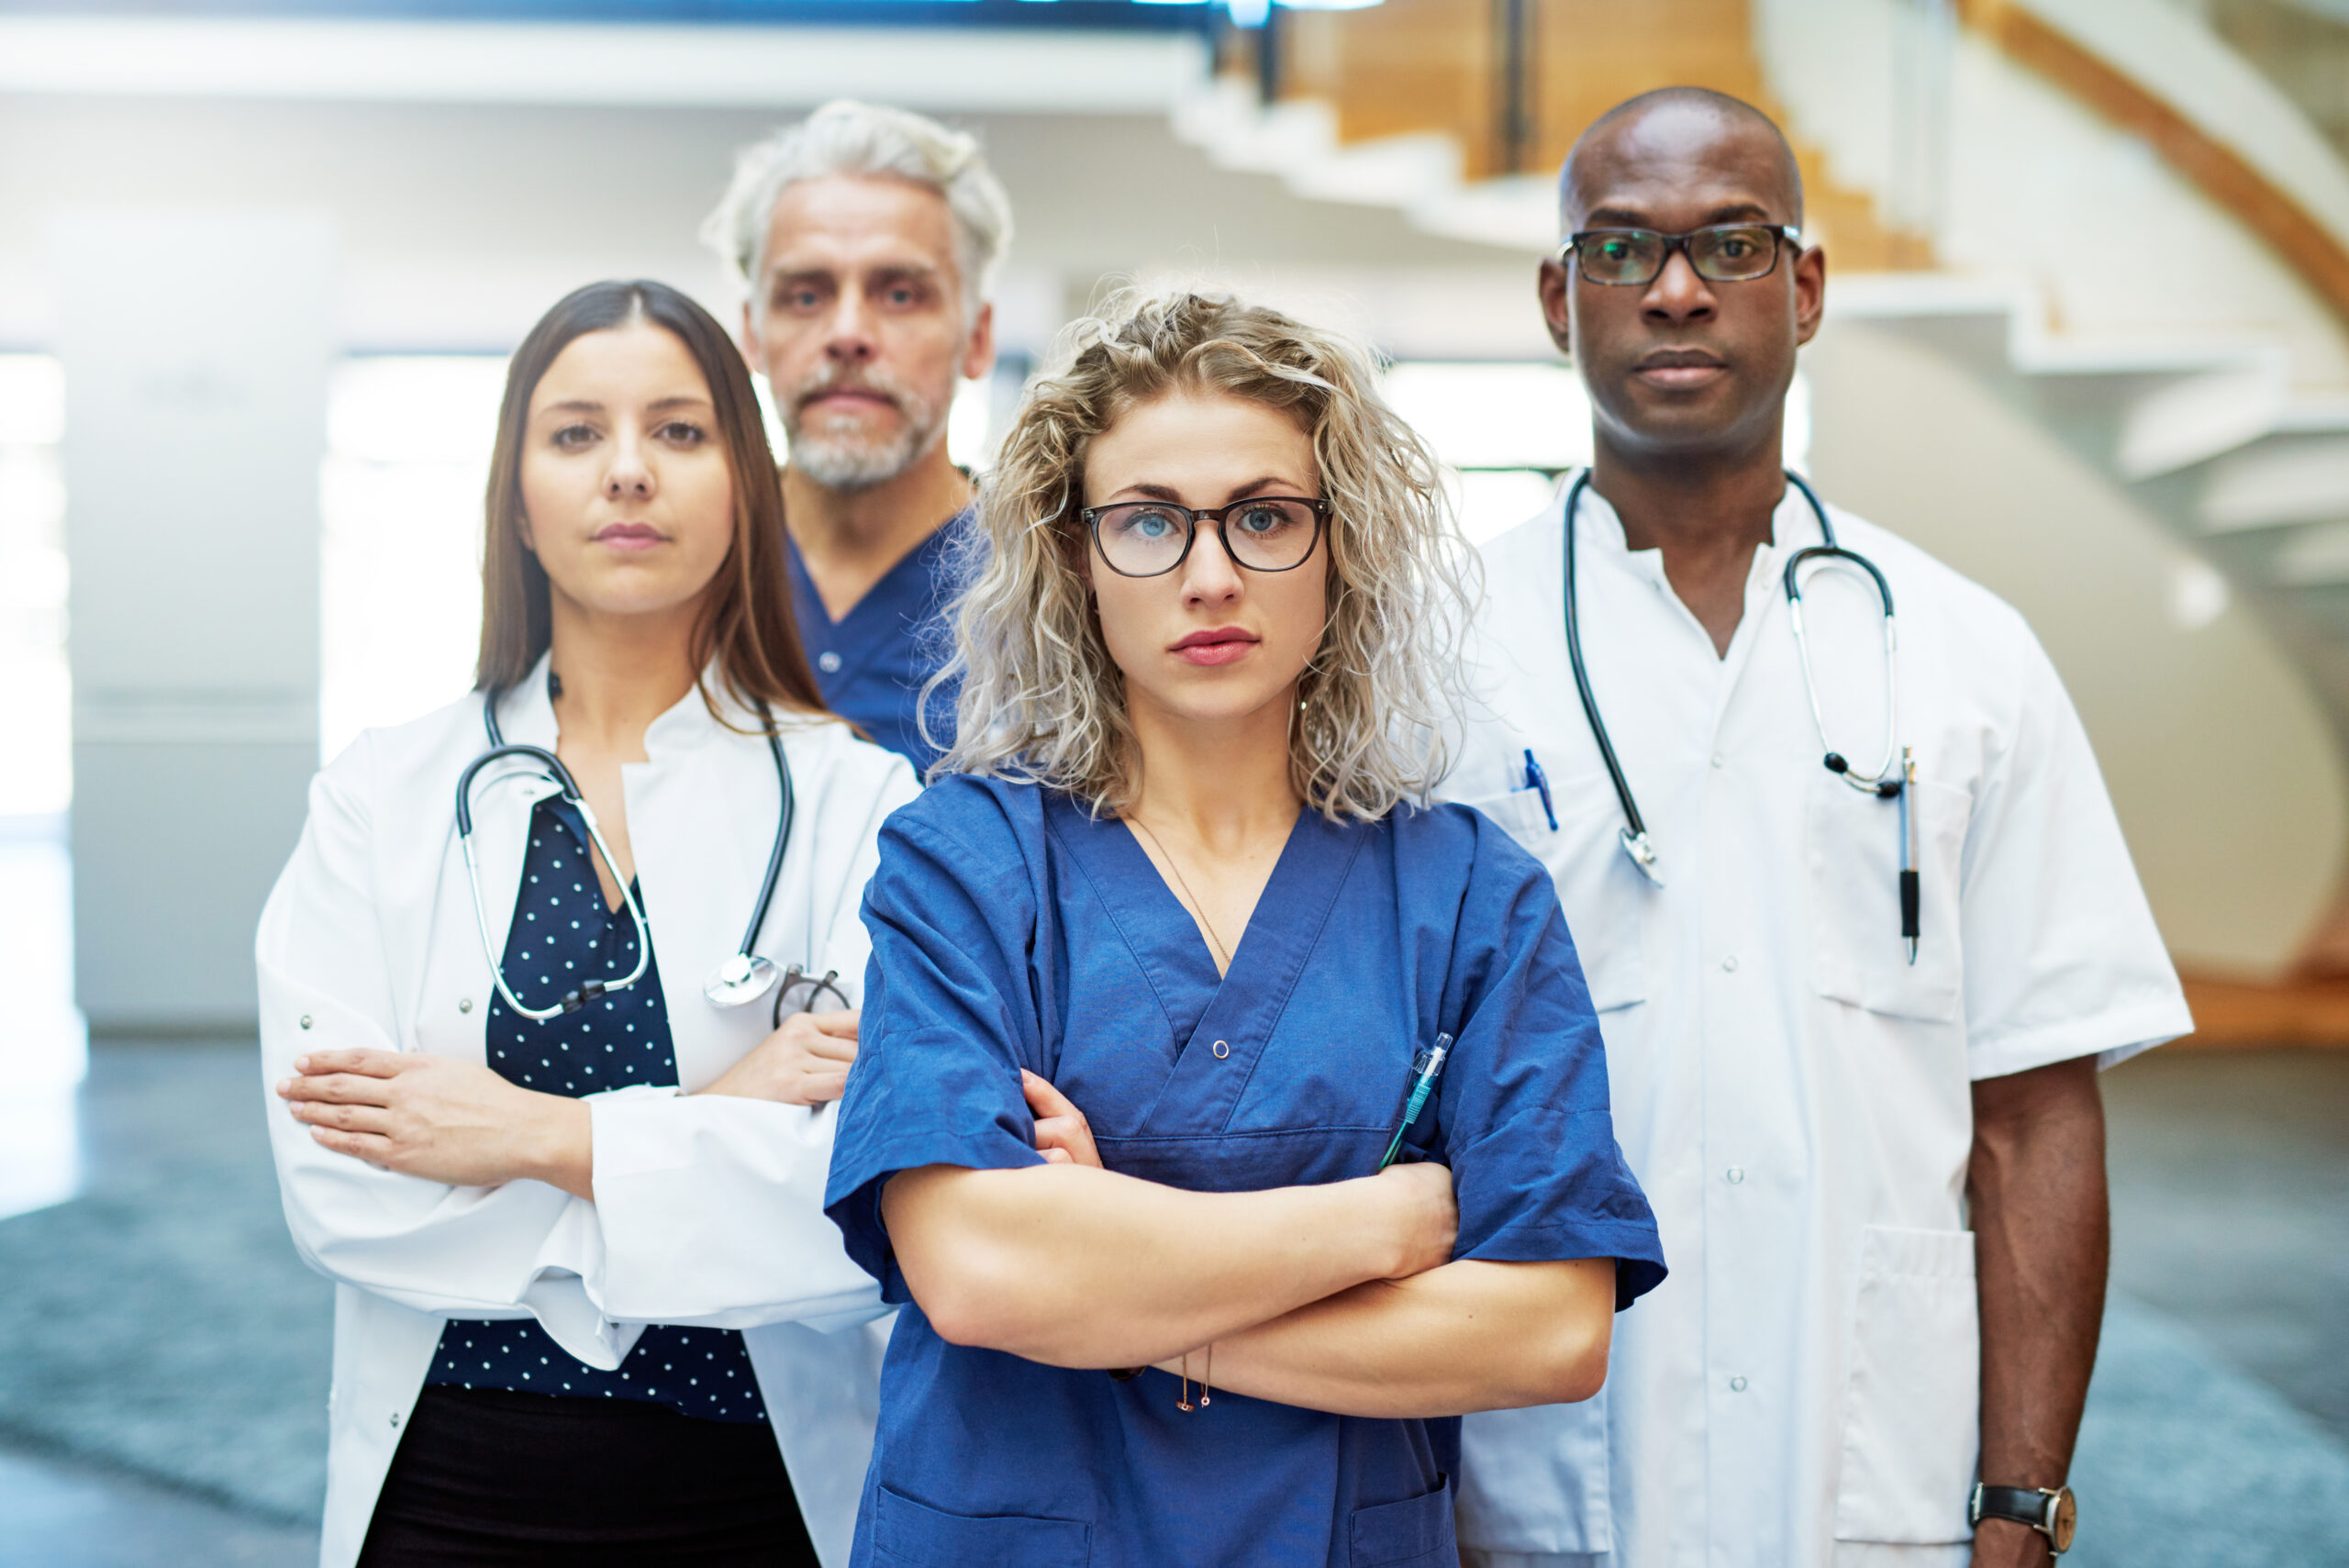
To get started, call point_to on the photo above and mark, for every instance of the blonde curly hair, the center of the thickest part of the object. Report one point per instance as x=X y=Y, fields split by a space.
x=1041 y=699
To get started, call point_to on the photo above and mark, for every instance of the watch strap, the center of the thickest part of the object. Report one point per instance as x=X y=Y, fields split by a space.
x=2023 y=1505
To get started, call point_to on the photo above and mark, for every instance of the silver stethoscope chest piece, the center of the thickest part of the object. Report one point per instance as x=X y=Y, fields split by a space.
x=741 y=980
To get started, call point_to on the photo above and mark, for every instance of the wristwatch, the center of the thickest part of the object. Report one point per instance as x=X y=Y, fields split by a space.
x=2049 y=1510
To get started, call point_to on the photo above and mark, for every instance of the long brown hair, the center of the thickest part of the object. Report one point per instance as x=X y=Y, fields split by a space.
x=746 y=626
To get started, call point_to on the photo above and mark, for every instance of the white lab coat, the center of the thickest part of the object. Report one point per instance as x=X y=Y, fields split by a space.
x=1793 y=1094
x=708 y=1210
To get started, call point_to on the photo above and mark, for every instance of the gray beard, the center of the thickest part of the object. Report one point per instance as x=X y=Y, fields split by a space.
x=847 y=463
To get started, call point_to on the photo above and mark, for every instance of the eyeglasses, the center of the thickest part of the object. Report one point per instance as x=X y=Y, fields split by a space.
x=1150 y=538
x=1720 y=252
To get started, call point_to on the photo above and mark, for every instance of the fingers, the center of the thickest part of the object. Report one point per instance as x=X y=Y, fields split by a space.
x=829 y=1048
x=339 y=1088
x=344 y=1118
x=1057 y=1157
x=1045 y=1100
x=839 y=1025
x=822 y=1088
x=373 y=1064
x=377 y=1151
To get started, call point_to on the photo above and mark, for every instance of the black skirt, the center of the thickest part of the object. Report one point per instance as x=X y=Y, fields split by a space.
x=489 y=1477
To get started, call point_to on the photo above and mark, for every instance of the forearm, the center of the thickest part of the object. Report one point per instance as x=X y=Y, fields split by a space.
x=1073 y=1265
x=2036 y=1190
x=1468 y=1336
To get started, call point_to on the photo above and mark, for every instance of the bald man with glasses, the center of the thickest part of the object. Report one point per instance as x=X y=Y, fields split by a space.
x=1858 y=947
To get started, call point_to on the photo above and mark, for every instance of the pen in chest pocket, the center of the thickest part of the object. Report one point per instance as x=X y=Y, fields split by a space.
x=1426 y=1068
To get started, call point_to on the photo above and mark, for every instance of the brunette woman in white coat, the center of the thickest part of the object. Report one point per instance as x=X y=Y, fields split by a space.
x=588 y=1307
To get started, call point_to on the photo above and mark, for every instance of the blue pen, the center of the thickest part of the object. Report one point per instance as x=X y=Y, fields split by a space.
x=1425 y=1069
x=1536 y=779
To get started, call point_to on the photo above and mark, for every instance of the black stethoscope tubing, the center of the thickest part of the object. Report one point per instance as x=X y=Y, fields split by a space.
x=1884 y=782
x=787 y=812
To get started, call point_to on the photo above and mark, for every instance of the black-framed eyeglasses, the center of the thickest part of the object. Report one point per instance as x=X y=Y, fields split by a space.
x=1720 y=252
x=1150 y=538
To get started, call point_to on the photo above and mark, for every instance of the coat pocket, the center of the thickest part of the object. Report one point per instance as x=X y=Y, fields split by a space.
x=916 y=1536
x=1413 y=1533
x=1853 y=850
x=1598 y=887
x=1912 y=1398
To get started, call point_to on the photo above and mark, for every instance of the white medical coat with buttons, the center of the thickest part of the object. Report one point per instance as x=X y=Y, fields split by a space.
x=1793 y=1094
x=708 y=1209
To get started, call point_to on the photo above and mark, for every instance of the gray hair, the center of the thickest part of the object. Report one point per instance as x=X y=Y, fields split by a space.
x=846 y=138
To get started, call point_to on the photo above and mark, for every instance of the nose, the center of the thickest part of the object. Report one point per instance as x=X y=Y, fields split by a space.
x=1678 y=295
x=848 y=338
x=1210 y=576
x=630 y=478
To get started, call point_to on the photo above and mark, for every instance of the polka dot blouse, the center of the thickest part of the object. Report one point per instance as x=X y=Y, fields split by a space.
x=561 y=935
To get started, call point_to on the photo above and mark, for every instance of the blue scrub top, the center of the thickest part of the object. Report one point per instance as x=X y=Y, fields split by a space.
x=1011 y=929
x=871 y=664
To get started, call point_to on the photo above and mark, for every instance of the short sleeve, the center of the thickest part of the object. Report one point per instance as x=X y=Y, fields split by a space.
x=949 y=1017
x=1523 y=1114
x=2062 y=956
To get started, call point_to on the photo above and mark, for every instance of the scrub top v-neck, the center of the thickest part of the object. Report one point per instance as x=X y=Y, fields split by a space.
x=871 y=664
x=1012 y=929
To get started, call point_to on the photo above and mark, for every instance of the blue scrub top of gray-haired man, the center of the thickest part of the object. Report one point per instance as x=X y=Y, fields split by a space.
x=866 y=238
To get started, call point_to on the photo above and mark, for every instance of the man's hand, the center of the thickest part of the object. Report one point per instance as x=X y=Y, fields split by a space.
x=441 y=1119
x=804 y=1063
x=2003 y=1543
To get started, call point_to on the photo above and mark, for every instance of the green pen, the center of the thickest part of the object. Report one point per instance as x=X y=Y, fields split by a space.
x=1425 y=1069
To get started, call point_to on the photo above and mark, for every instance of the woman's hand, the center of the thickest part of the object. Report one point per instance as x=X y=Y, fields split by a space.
x=441 y=1119
x=1063 y=1135
x=1417 y=1200
x=804 y=1063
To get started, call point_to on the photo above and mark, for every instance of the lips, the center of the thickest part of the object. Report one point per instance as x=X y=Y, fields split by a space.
x=629 y=536
x=1678 y=368
x=1218 y=645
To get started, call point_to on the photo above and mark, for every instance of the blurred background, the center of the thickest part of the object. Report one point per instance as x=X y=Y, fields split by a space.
x=261 y=263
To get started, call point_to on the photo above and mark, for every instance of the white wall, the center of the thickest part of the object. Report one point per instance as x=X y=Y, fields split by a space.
x=2225 y=772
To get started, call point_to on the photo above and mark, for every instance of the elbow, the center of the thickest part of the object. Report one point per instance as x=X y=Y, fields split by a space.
x=970 y=1304
x=1571 y=1364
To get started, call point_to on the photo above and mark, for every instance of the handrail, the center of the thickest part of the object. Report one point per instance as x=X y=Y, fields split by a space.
x=2309 y=246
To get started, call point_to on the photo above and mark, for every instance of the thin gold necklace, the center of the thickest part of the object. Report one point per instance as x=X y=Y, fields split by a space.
x=1191 y=898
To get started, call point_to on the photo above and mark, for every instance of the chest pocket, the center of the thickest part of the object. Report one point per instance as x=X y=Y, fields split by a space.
x=1854 y=852
x=1604 y=896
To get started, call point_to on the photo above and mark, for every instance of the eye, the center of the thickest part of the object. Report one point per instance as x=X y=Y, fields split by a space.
x=1735 y=247
x=1614 y=250
x=1262 y=518
x=799 y=296
x=1148 y=524
x=683 y=433
x=574 y=437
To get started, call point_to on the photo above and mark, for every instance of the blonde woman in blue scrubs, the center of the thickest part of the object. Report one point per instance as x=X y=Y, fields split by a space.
x=1153 y=966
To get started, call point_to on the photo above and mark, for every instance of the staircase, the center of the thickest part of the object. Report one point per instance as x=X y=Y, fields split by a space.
x=1458 y=112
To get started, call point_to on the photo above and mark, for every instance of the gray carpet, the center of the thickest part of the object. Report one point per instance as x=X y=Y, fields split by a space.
x=161 y=1323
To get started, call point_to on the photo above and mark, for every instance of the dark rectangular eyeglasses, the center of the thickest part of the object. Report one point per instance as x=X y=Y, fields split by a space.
x=1150 y=538
x=1720 y=252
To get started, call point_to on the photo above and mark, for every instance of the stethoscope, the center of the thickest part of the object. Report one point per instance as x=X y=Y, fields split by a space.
x=1893 y=776
x=742 y=979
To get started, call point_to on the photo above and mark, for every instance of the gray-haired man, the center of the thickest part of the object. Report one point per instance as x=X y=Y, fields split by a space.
x=866 y=239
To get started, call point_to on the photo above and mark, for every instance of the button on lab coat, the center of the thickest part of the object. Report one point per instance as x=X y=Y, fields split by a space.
x=708 y=1209
x=1794 y=1094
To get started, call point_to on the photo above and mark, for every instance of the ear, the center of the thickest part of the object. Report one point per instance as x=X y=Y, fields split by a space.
x=522 y=530
x=1553 y=284
x=754 y=350
x=978 y=349
x=1811 y=293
